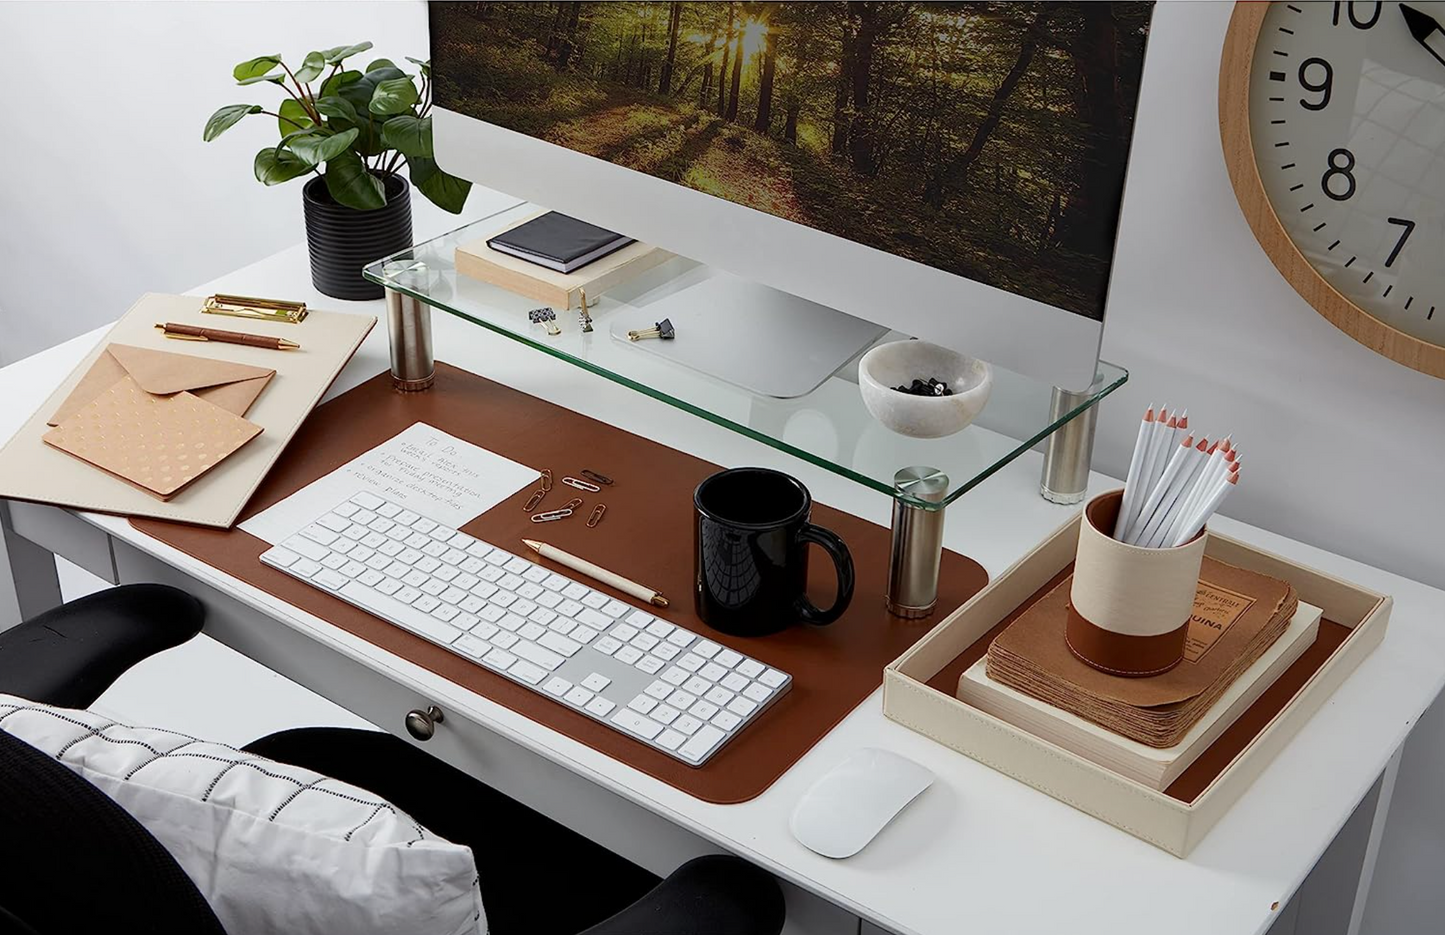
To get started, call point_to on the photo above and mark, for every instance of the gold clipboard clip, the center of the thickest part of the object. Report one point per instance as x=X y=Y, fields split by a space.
x=241 y=306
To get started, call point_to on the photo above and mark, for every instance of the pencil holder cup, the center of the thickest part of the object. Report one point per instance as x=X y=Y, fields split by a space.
x=1129 y=607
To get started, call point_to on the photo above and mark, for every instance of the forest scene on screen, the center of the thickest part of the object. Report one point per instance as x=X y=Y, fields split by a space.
x=988 y=140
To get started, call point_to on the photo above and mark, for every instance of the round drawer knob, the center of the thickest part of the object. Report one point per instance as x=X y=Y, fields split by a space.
x=423 y=724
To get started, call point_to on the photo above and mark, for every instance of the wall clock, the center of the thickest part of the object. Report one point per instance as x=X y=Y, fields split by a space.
x=1332 y=116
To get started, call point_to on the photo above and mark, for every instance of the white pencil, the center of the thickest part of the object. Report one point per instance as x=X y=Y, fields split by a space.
x=1151 y=502
x=1153 y=534
x=1203 y=515
x=1155 y=453
x=1166 y=449
x=1136 y=466
x=610 y=578
x=1211 y=469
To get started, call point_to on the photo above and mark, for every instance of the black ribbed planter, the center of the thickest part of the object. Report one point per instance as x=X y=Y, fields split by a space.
x=342 y=240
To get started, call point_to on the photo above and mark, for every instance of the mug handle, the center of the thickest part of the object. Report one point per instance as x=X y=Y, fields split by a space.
x=842 y=561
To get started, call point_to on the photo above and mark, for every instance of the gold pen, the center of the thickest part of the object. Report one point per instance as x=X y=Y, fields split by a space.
x=197 y=333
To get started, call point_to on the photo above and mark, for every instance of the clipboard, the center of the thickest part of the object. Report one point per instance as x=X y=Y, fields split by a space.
x=32 y=470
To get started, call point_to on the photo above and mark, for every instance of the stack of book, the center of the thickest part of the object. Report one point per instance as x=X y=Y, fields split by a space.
x=1246 y=629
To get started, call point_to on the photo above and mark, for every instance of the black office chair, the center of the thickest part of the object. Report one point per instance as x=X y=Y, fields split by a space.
x=71 y=860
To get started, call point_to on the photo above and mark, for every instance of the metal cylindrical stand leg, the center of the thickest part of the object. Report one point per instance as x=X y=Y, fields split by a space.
x=408 y=322
x=917 y=548
x=1070 y=450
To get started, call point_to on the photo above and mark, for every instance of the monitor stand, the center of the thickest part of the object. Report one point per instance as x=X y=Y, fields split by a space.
x=747 y=334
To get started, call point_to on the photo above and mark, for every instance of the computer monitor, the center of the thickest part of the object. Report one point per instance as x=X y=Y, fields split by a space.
x=953 y=171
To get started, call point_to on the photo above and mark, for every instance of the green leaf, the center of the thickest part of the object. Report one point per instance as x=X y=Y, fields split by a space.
x=381 y=63
x=227 y=117
x=445 y=191
x=393 y=96
x=411 y=135
x=256 y=67
x=337 y=53
x=338 y=107
x=311 y=68
x=334 y=84
x=425 y=66
x=273 y=167
x=350 y=184
x=315 y=148
x=257 y=79
x=293 y=117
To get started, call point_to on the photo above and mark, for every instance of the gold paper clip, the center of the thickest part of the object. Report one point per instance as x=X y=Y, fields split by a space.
x=547 y=479
x=536 y=498
x=241 y=306
x=572 y=504
x=598 y=512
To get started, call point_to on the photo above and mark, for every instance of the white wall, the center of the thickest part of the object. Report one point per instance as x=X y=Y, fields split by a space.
x=106 y=189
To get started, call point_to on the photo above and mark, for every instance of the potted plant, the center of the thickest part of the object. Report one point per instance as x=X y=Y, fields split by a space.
x=351 y=133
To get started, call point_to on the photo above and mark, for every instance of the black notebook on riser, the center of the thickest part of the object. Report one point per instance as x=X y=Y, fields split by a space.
x=558 y=242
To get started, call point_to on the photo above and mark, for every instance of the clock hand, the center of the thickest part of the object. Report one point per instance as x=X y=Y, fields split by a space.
x=1426 y=30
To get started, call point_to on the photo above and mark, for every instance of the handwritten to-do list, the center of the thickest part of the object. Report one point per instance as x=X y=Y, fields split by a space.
x=422 y=468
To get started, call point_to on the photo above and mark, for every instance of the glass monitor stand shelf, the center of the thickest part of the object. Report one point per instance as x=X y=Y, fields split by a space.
x=828 y=427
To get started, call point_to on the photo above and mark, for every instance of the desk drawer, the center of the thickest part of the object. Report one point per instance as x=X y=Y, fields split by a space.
x=60 y=531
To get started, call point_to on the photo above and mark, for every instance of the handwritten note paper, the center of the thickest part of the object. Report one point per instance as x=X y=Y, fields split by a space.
x=423 y=468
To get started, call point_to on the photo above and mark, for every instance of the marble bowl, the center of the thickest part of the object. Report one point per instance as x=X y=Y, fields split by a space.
x=899 y=363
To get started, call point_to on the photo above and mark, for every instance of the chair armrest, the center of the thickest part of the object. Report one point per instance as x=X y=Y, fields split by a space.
x=706 y=896
x=69 y=655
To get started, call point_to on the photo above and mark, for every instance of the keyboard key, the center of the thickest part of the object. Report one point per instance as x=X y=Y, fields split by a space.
x=606 y=645
x=388 y=510
x=471 y=603
x=332 y=579
x=600 y=706
x=527 y=672
x=407 y=594
x=628 y=654
x=448 y=573
x=664 y=714
x=640 y=619
x=282 y=558
x=391 y=547
x=579 y=696
x=416 y=541
x=389 y=586
x=491 y=613
x=733 y=681
x=498 y=557
x=742 y=707
x=374 y=540
x=703 y=710
x=643 y=641
x=426 y=602
x=557 y=686
x=751 y=668
x=681 y=699
x=536 y=574
x=490 y=573
x=409 y=556
x=531 y=590
x=415 y=578
x=367 y=500
x=371 y=578
x=758 y=692
x=569 y=608
x=511 y=622
x=614 y=608
x=472 y=646
x=479 y=550
x=687 y=724
x=466 y=581
x=453 y=595
x=691 y=662
x=673 y=676
x=665 y=651
x=511 y=582
x=599 y=621
x=481 y=628
x=542 y=657
x=305 y=567
x=634 y=723
x=681 y=638
x=346 y=509
x=726 y=720
x=659 y=690
x=697 y=686
x=596 y=682
x=461 y=541
x=307 y=548
x=453 y=556
x=576 y=591
x=504 y=640
x=361 y=553
x=484 y=589
x=564 y=625
x=642 y=704
x=581 y=634
x=713 y=672
x=660 y=628
x=719 y=696
x=772 y=678
x=405 y=517
x=424 y=525
x=441 y=534
x=354 y=533
x=670 y=739
x=467 y=621
x=499 y=658
x=472 y=565
x=727 y=658
x=595 y=600
x=650 y=664
x=333 y=560
x=559 y=643
x=352 y=569
x=523 y=607
x=549 y=599
x=516 y=565
x=530 y=631
x=556 y=582
x=381 y=524
x=706 y=649
x=701 y=743
x=434 y=549
x=445 y=612
x=343 y=545
x=503 y=598
x=334 y=523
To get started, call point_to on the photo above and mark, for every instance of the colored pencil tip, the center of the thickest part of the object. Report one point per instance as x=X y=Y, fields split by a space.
x=1149 y=416
x=1213 y=448
x=1184 y=420
x=1234 y=478
x=1229 y=456
x=1188 y=441
x=1234 y=466
x=1203 y=445
x=1227 y=444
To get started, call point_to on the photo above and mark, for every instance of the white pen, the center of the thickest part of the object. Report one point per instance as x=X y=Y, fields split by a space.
x=1136 y=466
x=627 y=586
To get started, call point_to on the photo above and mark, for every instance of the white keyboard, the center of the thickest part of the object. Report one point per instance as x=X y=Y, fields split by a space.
x=668 y=687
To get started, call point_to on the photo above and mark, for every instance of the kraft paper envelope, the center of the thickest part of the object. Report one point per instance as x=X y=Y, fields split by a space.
x=232 y=386
x=159 y=443
x=32 y=470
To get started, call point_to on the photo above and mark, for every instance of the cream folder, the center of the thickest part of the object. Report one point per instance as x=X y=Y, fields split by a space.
x=32 y=470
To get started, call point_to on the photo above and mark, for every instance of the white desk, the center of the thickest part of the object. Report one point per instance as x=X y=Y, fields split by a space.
x=978 y=852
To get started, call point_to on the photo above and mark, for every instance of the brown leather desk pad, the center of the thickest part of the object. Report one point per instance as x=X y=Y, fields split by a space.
x=1235 y=738
x=646 y=535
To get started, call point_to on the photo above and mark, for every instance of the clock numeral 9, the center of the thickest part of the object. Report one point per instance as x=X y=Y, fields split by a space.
x=1340 y=161
x=1323 y=88
x=1354 y=20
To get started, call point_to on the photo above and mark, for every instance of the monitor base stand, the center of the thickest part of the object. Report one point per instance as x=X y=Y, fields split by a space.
x=744 y=333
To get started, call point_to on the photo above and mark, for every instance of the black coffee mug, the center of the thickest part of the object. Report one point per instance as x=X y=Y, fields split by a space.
x=752 y=535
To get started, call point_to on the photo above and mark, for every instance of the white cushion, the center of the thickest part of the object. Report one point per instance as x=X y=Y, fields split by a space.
x=273 y=848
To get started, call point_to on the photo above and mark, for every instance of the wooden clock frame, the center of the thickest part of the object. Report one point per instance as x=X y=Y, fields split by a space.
x=1234 y=133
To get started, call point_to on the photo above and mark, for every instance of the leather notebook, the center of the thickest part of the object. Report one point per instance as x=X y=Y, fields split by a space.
x=558 y=242
x=647 y=535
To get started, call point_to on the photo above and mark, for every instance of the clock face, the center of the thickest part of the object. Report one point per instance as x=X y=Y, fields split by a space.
x=1347 y=120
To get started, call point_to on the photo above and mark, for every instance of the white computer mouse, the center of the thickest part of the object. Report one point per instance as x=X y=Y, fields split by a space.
x=855 y=800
